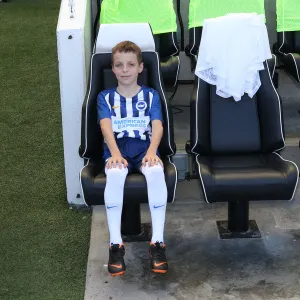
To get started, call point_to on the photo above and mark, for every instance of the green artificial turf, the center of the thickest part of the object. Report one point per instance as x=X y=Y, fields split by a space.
x=43 y=243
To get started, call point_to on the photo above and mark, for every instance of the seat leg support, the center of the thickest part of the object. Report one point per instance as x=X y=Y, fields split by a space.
x=238 y=224
x=132 y=228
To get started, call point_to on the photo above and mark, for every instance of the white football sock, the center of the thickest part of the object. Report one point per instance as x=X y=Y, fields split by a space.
x=157 y=197
x=113 y=198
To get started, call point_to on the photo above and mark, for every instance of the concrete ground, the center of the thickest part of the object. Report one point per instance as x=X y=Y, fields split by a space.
x=202 y=266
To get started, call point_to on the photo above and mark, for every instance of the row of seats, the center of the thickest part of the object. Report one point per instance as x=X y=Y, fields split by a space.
x=235 y=145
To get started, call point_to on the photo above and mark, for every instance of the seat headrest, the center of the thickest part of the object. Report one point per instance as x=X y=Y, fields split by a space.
x=110 y=35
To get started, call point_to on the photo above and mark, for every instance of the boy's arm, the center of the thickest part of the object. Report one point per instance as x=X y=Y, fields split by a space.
x=108 y=134
x=104 y=116
x=157 y=132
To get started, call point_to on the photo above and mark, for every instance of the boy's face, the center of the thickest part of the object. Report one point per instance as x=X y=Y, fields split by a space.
x=126 y=67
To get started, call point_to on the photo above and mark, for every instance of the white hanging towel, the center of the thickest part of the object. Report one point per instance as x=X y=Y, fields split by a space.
x=232 y=51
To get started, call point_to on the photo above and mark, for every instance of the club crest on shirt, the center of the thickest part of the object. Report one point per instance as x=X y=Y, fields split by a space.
x=141 y=105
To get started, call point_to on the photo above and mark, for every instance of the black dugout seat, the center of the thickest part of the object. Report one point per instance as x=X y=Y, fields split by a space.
x=166 y=43
x=168 y=50
x=288 y=49
x=92 y=175
x=235 y=147
x=192 y=49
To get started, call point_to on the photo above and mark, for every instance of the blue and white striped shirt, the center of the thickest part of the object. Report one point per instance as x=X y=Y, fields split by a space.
x=131 y=117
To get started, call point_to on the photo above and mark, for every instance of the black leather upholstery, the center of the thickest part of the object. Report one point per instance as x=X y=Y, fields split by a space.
x=195 y=35
x=167 y=46
x=92 y=175
x=288 y=47
x=93 y=184
x=235 y=145
x=192 y=50
x=247 y=177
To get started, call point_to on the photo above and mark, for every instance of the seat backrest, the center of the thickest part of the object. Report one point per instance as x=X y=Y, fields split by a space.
x=102 y=77
x=223 y=126
x=166 y=45
x=195 y=35
x=297 y=41
x=288 y=41
x=285 y=41
x=159 y=14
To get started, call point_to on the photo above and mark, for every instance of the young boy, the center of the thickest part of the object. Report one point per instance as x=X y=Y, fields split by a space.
x=131 y=122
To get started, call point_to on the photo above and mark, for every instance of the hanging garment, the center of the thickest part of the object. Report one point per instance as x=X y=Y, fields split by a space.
x=159 y=14
x=199 y=10
x=288 y=15
x=232 y=52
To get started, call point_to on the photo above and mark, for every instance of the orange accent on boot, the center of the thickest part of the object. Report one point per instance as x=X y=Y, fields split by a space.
x=117 y=274
x=117 y=266
x=163 y=245
x=160 y=271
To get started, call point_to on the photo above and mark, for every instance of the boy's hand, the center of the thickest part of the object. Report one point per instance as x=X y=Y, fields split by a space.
x=152 y=159
x=115 y=161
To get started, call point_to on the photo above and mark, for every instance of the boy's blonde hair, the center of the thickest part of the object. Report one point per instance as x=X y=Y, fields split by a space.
x=126 y=47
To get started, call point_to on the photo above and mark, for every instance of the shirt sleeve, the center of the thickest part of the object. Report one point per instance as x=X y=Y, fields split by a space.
x=103 y=111
x=155 y=110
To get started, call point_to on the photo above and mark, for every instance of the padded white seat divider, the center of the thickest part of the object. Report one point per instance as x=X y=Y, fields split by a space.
x=110 y=35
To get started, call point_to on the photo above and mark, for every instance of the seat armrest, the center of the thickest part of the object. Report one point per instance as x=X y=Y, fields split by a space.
x=285 y=167
x=206 y=175
x=170 y=172
x=92 y=168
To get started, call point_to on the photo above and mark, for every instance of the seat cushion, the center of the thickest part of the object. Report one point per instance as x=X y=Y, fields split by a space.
x=247 y=177
x=93 y=181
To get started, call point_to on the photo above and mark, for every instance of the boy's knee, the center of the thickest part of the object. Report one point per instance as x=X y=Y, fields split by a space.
x=116 y=175
x=153 y=172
